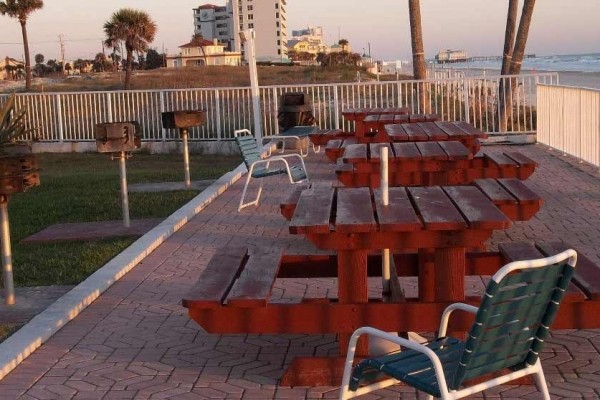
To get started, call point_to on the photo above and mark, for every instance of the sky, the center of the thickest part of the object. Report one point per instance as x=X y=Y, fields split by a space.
x=477 y=26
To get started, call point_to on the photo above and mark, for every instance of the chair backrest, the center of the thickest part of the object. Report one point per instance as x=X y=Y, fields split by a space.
x=515 y=315
x=248 y=146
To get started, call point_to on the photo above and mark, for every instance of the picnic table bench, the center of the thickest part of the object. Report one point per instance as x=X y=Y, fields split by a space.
x=428 y=163
x=417 y=132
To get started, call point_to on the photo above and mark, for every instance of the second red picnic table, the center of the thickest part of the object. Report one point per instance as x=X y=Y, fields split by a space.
x=428 y=163
x=438 y=131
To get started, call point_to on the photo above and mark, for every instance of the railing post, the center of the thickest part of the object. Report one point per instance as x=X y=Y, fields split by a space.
x=336 y=105
x=59 y=118
x=162 y=109
x=109 y=113
x=467 y=100
x=218 y=114
x=276 y=107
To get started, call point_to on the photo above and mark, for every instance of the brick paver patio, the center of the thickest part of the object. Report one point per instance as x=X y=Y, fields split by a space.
x=136 y=340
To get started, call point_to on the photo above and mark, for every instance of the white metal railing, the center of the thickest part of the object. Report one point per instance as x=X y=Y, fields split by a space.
x=569 y=120
x=71 y=116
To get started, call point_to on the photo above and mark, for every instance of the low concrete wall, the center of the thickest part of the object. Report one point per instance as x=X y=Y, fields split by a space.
x=224 y=147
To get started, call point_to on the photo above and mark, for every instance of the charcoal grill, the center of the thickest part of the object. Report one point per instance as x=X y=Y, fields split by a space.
x=183 y=120
x=295 y=109
x=119 y=138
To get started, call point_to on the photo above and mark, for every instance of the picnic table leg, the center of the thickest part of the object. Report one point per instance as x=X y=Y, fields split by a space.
x=426 y=275
x=450 y=273
x=352 y=288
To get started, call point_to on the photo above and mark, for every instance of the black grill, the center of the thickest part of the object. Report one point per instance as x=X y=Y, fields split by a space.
x=295 y=109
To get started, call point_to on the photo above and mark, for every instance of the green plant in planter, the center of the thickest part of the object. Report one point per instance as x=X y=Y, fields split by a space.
x=18 y=172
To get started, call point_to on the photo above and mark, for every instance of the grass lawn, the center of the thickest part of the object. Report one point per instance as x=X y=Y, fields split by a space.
x=85 y=187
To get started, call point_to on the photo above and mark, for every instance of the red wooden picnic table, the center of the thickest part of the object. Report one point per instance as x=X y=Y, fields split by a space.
x=437 y=131
x=358 y=115
x=372 y=128
x=428 y=163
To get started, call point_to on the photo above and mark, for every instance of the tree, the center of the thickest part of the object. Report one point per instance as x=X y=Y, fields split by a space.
x=100 y=63
x=154 y=60
x=39 y=58
x=133 y=28
x=418 y=51
x=199 y=41
x=344 y=43
x=20 y=9
x=517 y=52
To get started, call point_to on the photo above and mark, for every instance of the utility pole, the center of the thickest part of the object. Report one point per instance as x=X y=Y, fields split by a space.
x=62 y=52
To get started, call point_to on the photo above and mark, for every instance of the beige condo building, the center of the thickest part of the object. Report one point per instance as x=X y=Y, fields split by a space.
x=266 y=17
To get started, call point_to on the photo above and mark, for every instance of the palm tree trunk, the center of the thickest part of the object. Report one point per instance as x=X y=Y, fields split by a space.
x=509 y=35
x=509 y=39
x=506 y=106
x=418 y=52
x=128 y=69
x=27 y=60
x=522 y=34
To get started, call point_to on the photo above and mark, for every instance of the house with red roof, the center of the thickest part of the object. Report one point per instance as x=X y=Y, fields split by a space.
x=200 y=52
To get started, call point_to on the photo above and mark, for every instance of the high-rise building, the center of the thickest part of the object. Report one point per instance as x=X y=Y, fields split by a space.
x=266 y=17
x=214 y=22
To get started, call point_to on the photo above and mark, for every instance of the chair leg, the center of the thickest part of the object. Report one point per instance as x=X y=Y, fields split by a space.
x=316 y=149
x=242 y=205
x=540 y=381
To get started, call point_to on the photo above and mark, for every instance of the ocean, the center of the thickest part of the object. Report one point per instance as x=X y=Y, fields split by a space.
x=581 y=70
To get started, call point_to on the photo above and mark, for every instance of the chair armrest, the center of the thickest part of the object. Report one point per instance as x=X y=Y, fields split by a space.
x=449 y=310
x=366 y=330
x=267 y=161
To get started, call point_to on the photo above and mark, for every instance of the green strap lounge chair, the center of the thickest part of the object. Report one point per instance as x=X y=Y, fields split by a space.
x=510 y=327
x=261 y=168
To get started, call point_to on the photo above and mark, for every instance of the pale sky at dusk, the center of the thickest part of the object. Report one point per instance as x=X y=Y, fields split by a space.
x=477 y=26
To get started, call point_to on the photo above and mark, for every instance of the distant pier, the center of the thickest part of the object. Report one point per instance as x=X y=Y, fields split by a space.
x=494 y=58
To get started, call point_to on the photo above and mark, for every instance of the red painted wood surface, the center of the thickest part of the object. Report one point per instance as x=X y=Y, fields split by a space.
x=430 y=163
x=313 y=211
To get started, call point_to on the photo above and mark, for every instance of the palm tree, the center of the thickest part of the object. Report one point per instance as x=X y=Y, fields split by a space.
x=418 y=51
x=21 y=9
x=509 y=35
x=135 y=29
x=344 y=43
x=517 y=53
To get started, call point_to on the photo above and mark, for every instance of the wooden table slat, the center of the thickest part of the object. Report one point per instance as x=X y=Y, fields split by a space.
x=253 y=287
x=396 y=132
x=500 y=159
x=433 y=131
x=217 y=278
x=401 y=119
x=470 y=129
x=407 y=151
x=456 y=150
x=450 y=129
x=375 y=151
x=495 y=192
x=355 y=153
x=313 y=211
x=415 y=133
x=520 y=191
x=477 y=208
x=399 y=214
x=354 y=211
x=520 y=158
x=431 y=151
x=436 y=209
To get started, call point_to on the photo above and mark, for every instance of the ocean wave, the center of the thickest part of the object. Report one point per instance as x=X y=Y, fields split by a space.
x=561 y=63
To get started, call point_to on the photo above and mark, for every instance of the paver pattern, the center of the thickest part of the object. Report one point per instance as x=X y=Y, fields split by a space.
x=136 y=340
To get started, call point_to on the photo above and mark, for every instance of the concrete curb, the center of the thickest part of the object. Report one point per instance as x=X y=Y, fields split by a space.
x=31 y=336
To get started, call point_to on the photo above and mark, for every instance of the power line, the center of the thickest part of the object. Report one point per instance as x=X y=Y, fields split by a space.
x=53 y=41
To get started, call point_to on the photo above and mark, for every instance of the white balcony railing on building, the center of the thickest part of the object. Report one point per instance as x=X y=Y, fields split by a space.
x=72 y=116
x=569 y=121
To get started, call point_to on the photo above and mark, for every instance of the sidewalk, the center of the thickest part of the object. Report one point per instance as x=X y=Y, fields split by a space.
x=136 y=340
